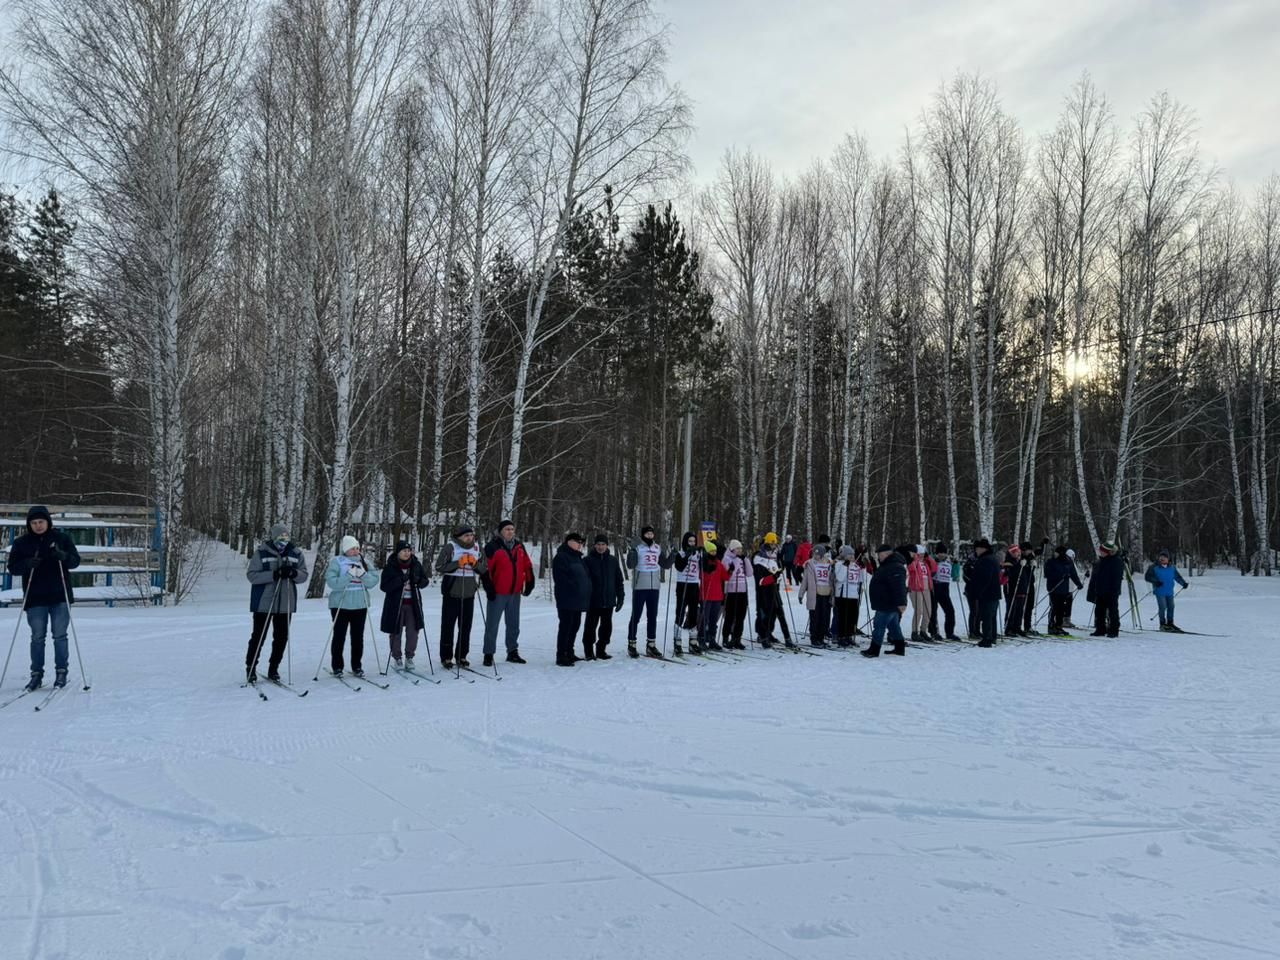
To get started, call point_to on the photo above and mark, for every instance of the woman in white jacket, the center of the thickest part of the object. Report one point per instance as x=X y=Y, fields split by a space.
x=350 y=581
x=848 y=577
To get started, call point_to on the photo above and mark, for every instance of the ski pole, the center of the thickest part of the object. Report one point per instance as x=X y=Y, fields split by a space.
x=666 y=615
x=17 y=626
x=1134 y=606
x=71 y=622
x=333 y=627
x=257 y=647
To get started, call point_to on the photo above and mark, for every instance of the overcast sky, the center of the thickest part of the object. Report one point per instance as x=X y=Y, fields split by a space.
x=789 y=78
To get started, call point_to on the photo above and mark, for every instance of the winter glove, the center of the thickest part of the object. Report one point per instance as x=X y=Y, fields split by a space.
x=294 y=573
x=768 y=581
x=56 y=551
x=277 y=573
x=617 y=607
x=34 y=562
x=528 y=587
x=466 y=561
x=356 y=571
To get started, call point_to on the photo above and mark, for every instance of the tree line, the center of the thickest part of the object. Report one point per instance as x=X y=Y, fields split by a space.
x=388 y=265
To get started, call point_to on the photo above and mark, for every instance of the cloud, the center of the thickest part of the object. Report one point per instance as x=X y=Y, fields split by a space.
x=790 y=79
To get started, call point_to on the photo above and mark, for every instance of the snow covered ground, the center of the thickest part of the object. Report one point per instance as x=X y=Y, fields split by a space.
x=1054 y=800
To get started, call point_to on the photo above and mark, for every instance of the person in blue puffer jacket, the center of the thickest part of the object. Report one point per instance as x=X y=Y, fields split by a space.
x=1163 y=576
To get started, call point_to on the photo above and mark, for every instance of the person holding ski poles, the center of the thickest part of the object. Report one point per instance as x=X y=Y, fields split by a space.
x=816 y=593
x=920 y=570
x=1105 y=586
x=848 y=575
x=767 y=572
x=1059 y=574
x=1020 y=569
x=968 y=573
x=275 y=570
x=646 y=561
x=943 y=575
x=41 y=557
x=403 y=577
x=461 y=564
x=735 y=595
x=686 y=561
x=1162 y=575
x=350 y=582
x=711 y=591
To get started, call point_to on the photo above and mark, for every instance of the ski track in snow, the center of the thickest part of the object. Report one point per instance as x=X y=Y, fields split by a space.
x=1115 y=798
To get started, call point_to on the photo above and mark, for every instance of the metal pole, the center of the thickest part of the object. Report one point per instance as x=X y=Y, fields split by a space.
x=688 y=471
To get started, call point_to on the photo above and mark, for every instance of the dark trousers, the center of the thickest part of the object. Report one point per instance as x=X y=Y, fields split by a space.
x=1017 y=613
x=846 y=618
x=643 y=602
x=735 y=616
x=819 y=619
x=710 y=617
x=1029 y=609
x=687 y=605
x=942 y=601
x=770 y=611
x=989 y=613
x=1059 y=611
x=567 y=634
x=1106 y=617
x=344 y=620
x=975 y=615
x=599 y=629
x=279 y=639
x=456 y=613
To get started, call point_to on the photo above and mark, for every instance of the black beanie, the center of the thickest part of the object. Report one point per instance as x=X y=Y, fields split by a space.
x=644 y=530
x=941 y=548
x=504 y=523
x=601 y=538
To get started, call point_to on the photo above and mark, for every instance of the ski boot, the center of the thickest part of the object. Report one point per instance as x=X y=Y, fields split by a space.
x=36 y=682
x=632 y=651
x=463 y=662
x=408 y=663
x=710 y=644
x=446 y=664
x=767 y=642
x=358 y=674
x=60 y=678
x=513 y=656
x=488 y=659
x=602 y=653
x=336 y=673
x=398 y=663
x=676 y=649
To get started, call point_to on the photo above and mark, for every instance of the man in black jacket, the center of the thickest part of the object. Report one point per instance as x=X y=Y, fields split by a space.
x=572 y=586
x=607 y=594
x=1105 y=587
x=1059 y=574
x=986 y=590
x=42 y=556
x=887 y=593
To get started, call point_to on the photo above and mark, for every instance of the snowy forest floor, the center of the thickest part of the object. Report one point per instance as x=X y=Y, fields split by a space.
x=1099 y=798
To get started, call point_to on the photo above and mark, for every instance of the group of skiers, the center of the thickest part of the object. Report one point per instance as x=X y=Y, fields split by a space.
x=716 y=590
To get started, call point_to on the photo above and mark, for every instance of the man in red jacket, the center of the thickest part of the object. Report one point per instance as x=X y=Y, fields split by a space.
x=509 y=577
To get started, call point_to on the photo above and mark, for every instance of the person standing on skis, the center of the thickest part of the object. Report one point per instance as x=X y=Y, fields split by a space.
x=943 y=574
x=41 y=557
x=735 y=595
x=815 y=593
x=1163 y=575
x=1059 y=574
x=275 y=570
x=847 y=576
x=1105 y=586
x=687 y=562
x=349 y=580
x=646 y=560
x=403 y=577
x=920 y=569
x=711 y=587
x=767 y=572
x=461 y=564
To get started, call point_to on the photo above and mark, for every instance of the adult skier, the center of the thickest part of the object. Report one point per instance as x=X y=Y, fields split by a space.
x=350 y=581
x=275 y=570
x=41 y=557
x=509 y=577
x=737 y=575
x=646 y=560
x=607 y=593
x=847 y=577
x=461 y=563
x=403 y=578
x=686 y=561
x=572 y=586
x=967 y=573
x=767 y=571
x=1059 y=574
x=1021 y=573
x=1163 y=575
x=1105 y=587
x=816 y=592
x=985 y=590
x=888 y=595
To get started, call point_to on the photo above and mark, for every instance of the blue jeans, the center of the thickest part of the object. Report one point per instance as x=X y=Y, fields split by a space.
x=890 y=621
x=1165 y=607
x=38 y=618
x=504 y=607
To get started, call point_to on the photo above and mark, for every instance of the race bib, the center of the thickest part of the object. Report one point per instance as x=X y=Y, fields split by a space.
x=822 y=573
x=944 y=573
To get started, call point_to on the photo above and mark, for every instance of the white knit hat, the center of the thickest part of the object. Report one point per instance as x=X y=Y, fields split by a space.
x=348 y=543
x=735 y=546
